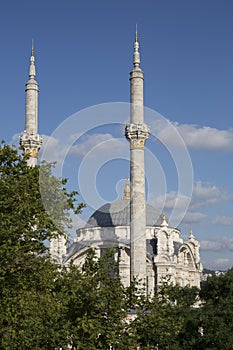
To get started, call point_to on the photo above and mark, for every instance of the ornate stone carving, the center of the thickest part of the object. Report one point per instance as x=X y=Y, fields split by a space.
x=137 y=134
x=31 y=143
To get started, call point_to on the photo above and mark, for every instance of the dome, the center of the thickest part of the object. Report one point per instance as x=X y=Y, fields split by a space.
x=117 y=213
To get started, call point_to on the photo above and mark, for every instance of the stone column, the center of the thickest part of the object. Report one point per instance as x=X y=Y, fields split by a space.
x=30 y=140
x=137 y=132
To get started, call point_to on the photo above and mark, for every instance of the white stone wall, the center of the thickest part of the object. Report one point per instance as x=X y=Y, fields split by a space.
x=182 y=267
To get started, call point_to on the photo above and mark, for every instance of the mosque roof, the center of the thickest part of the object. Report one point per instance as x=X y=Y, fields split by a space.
x=117 y=213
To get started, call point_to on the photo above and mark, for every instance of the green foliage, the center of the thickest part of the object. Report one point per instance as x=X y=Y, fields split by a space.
x=160 y=320
x=210 y=326
x=44 y=306
x=217 y=312
x=30 y=308
x=97 y=304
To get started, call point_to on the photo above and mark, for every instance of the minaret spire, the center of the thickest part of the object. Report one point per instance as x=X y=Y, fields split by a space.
x=32 y=52
x=136 y=60
x=32 y=68
x=136 y=133
x=30 y=140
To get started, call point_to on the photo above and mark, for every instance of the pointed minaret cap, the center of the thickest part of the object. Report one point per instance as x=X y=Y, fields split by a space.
x=33 y=51
x=32 y=69
x=136 y=56
x=126 y=189
x=164 y=222
x=191 y=236
x=136 y=36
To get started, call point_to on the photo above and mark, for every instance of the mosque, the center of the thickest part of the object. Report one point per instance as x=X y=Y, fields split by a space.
x=146 y=247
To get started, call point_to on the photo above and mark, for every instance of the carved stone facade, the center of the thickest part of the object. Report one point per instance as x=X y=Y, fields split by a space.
x=167 y=254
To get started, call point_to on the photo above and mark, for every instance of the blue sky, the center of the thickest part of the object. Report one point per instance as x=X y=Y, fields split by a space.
x=83 y=58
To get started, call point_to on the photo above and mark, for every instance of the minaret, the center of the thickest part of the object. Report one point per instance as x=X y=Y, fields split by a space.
x=30 y=140
x=136 y=133
x=57 y=249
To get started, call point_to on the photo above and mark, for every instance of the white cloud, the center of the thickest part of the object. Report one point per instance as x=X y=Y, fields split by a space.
x=99 y=145
x=222 y=263
x=96 y=145
x=206 y=194
x=205 y=190
x=205 y=137
x=194 y=136
x=223 y=220
x=52 y=150
x=216 y=255
x=211 y=245
x=228 y=243
x=224 y=244
x=193 y=217
x=172 y=199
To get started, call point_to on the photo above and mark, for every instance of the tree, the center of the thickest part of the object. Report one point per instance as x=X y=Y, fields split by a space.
x=45 y=306
x=161 y=320
x=97 y=304
x=30 y=314
x=217 y=312
x=186 y=301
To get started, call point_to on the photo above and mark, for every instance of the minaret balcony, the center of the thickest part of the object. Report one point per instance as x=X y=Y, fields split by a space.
x=30 y=140
x=137 y=134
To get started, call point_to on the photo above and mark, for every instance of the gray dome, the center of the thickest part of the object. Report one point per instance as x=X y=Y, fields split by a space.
x=117 y=213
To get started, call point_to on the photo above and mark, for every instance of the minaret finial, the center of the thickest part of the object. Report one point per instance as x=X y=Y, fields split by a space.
x=32 y=52
x=32 y=69
x=136 y=56
x=126 y=189
x=136 y=37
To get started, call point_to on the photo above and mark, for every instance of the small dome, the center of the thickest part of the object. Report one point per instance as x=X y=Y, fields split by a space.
x=117 y=213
